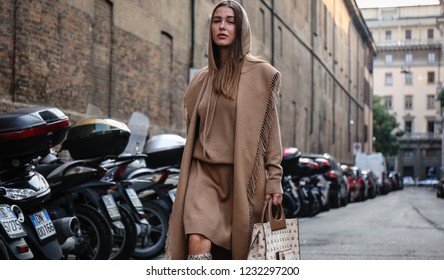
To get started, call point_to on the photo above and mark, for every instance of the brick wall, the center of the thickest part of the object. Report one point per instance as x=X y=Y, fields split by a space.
x=133 y=55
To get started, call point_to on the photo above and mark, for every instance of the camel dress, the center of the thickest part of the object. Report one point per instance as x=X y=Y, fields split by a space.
x=209 y=199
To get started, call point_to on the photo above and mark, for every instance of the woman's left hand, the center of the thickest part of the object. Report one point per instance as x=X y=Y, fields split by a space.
x=276 y=197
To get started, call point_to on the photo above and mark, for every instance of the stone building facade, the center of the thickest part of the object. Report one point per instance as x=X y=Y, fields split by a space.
x=137 y=55
x=408 y=75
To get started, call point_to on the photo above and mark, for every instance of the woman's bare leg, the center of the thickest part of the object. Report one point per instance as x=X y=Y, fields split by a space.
x=199 y=247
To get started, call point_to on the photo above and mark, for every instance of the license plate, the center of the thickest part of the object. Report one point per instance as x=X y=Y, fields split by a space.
x=9 y=222
x=134 y=198
x=111 y=206
x=42 y=224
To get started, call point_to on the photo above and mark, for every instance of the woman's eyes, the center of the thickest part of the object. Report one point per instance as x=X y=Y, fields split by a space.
x=230 y=21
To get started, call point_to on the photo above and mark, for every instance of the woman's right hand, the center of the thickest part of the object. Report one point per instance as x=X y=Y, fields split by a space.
x=276 y=197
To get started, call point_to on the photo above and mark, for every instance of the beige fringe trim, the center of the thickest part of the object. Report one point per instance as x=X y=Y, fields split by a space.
x=262 y=145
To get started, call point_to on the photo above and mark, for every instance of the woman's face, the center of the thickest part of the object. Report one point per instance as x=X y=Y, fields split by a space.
x=223 y=27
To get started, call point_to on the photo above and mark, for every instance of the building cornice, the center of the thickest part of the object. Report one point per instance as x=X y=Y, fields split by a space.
x=360 y=24
x=407 y=46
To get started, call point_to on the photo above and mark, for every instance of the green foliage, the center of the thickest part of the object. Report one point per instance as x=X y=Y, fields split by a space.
x=385 y=129
x=440 y=97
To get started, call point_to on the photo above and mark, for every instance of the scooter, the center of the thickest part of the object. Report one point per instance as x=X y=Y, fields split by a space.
x=25 y=135
x=306 y=184
x=155 y=202
x=152 y=174
x=105 y=140
x=77 y=187
x=292 y=201
x=301 y=189
x=46 y=234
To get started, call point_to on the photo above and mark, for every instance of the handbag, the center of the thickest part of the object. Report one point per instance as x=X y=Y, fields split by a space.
x=275 y=238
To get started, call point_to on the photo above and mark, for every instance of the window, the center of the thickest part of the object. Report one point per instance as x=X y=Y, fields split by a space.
x=430 y=33
x=388 y=14
x=430 y=77
x=408 y=58
x=388 y=35
x=430 y=126
x=431 y=169
x=408 y=34
x=408 y=126
x=388 y=59
x=388 y=102
x=408 y=153
x=408 y=78
x=431 y=101
x=388 y=79
x=408 y=102
x=431 y=57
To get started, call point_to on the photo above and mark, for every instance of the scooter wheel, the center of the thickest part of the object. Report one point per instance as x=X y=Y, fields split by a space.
x=95 y=234
x=153 y=245
x=124 y=241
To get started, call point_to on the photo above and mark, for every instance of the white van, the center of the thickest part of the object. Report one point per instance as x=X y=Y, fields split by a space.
x=376 y=163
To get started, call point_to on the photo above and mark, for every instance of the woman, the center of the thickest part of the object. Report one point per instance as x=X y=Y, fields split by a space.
x=231 y=161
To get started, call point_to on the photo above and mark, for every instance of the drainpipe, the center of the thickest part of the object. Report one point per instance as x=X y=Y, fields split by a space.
x=14 y=51
x=272 y=32
x=110 y=74
x=334 y=73
x=312 y=46
x=193 y=24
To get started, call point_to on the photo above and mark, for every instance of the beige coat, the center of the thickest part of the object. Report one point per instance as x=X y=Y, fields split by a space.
x=257 y=149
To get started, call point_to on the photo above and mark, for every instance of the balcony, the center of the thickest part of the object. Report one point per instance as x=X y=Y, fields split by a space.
x=409 y=45
x=420 y=136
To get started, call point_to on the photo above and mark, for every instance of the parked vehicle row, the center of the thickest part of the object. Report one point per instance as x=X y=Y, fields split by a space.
x=312 y=183
x=318 y=182
x=89 y=206
x=112 y=198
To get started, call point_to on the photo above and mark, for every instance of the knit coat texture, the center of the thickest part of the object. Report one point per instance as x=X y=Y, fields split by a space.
x=257 y=148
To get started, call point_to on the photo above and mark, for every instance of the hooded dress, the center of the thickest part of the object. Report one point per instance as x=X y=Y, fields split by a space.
x=231 y=157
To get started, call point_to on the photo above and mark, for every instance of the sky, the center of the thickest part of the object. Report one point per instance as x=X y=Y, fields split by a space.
x=394 y=3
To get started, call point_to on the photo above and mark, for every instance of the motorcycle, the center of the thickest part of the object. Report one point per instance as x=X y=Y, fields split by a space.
x=25 y=135
x=154 y=200
x=164 y=154
x=320 y=185
x=303 y=189
x=153 y=175
x=77 y=189
x=139 y=180
x=292 y=202
x=105 y=140
x=307 y=187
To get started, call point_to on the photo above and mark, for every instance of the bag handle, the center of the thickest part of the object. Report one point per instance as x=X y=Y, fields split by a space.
x=276 y=222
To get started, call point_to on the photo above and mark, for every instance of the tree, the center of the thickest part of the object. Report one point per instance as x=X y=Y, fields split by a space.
x=385 y=129
x=440 y=98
